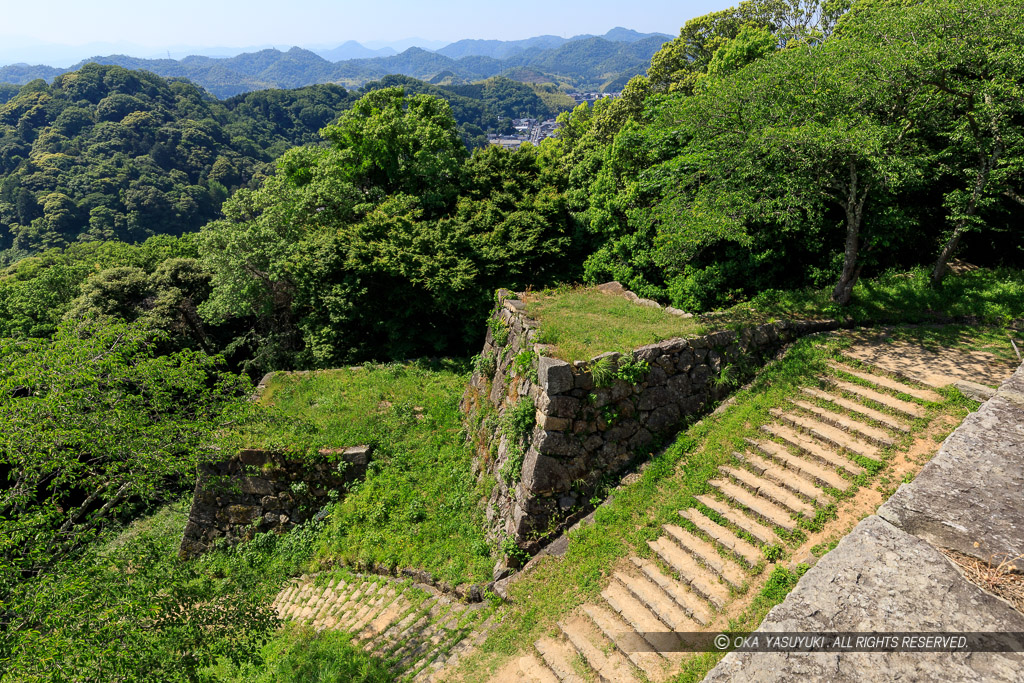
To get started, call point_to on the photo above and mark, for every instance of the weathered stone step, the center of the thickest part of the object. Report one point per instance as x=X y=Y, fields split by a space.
x=766 y=489
x=701 y=581
x=827 y=433
x=435 y=636
x=809 y=469
x=790 y=479
x=761 y=507
x=600 y=653
x=557 y=656
x=389 y=615
x=663 y=607
x=643 y=621
x=888 y=383
x=626 y=640
x=848 y=424
x=733 y=516
x=897 y=404
x=843 y=402
x=723 y=536
x=813 y=448
x=533 y=670
x=707 y=554
x=692 y=605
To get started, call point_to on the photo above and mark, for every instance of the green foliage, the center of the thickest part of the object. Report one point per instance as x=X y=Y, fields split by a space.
x=519 y=420
x=525 y=364
x=105 y=153
x=632 y=370
x=172 y=620
x=302 y=655
x=485 y=365
x=499 y=331
x=602 y=371
x=96 y=424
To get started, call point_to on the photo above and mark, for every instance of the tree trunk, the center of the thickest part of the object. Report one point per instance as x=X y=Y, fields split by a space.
x=985 y=166
x=853 y=204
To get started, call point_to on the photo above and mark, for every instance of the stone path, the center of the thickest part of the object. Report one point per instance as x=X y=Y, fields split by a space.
x=414 y=628
x=935 y=367
x=893 y=572
x=715 y=552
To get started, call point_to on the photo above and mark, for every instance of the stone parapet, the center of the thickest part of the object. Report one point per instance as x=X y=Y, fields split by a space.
x=258 y=490
x=590 y=420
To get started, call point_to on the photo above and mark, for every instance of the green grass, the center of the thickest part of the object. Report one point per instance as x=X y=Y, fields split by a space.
x=984 y=296
x=299 y=654
x=582 y=323
x=418 y=505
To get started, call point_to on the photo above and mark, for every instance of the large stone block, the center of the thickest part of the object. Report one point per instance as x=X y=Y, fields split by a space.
x=973 y=489
x=881 y=579
x=557 y=443
x=559 y=406
x=543 y=474
x=654 y=397
x=663 y=419
x=555 y=375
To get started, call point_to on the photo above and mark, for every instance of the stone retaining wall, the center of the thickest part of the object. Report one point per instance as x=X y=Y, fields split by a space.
x=584 y=436
x=258 y=491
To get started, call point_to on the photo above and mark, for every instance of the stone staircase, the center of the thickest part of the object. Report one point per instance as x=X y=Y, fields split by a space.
x=812 y=450
x=414 y=628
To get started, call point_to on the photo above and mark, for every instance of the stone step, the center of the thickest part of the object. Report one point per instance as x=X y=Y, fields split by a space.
x=899 y=405
x=888 y=383
x=628 y=642
x=642 y=620
x=843 y=402
x=723 y=536
x=877 y=436
x=759 y=531
x=761 y=507
x=813 y=448
x=788 y=479
x=707 y=554
x=600 y=653
x=533 y=670
x=557 y=655
x=663 y=606
x=693 y=605
x=823 y=476
x=766 y=489
x=831 y=435
x=701 y=581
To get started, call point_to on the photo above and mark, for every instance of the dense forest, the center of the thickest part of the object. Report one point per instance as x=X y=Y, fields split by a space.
x=158 y=259
x=110 y=154
x=591 y=63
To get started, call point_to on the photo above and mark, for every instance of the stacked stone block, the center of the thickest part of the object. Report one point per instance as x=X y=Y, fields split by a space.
x=587 y=434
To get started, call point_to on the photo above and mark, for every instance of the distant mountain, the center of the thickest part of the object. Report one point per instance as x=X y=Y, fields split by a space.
x=582 y=62
x=352 y=50
x=501 y=49
x=20 y=74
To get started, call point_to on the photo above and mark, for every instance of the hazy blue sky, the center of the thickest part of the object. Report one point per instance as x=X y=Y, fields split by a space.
x=164 y=23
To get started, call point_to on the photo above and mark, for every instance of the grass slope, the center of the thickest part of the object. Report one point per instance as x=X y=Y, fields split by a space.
x=582 y=323
x=418 y=506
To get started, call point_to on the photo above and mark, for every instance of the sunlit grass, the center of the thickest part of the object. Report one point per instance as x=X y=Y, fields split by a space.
x=583 y=323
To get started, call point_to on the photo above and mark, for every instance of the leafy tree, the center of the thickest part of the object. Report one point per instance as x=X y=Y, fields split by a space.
x=96 y=423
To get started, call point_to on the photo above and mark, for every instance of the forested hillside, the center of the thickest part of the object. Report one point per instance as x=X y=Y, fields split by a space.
x=110 y=154
x=829 y=161
x=592 y=63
